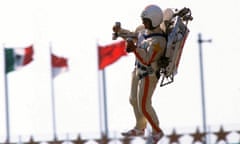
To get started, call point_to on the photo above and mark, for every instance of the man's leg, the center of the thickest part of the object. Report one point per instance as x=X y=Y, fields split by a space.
x=140 y=119
x=147 y=87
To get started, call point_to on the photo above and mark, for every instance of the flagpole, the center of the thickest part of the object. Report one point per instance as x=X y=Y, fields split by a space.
x=6 y=100
x=105 y=103
x=103 y=114
x=7 y=110
x=204 y=119
x=53 y=97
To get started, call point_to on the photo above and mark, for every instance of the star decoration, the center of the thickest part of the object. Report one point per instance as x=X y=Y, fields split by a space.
x=174 y=137
x=79 y=140
x=55 y=142
x=31 y=141
x=197 y=136
x=103 y=140
x=221 y=135
x=126 y=140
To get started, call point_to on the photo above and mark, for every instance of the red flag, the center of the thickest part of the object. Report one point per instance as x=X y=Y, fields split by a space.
x=108 y=54
x=59 y=65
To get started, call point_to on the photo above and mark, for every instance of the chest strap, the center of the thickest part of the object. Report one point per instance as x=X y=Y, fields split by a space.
x=155 y=34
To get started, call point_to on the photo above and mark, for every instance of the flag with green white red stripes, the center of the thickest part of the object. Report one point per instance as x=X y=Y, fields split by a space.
x=16 y=58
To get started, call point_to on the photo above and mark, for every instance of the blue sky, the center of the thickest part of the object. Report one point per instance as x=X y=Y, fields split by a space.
x=74 y=28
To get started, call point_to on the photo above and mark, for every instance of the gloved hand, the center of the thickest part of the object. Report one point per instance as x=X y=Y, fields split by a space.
x=130 y=45
x=163 y=62
x=117 y=27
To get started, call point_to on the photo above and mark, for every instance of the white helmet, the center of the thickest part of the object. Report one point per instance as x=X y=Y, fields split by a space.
x=154 y=13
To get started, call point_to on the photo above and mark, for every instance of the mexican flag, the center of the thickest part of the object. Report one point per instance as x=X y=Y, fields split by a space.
x=16 y=58
x=59 y=65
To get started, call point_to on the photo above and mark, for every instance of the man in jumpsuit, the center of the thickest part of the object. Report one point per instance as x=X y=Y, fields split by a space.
x=146 y=74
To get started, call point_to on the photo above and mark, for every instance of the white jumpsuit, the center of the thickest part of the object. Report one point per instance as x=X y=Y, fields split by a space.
x=143 y=85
